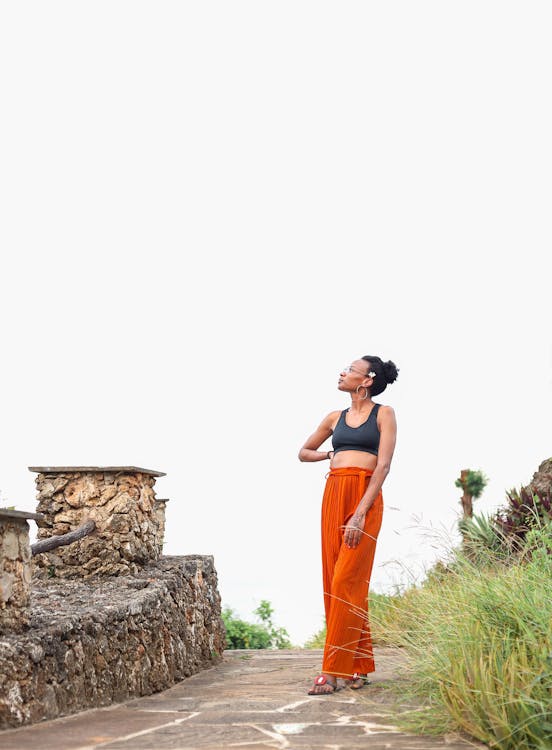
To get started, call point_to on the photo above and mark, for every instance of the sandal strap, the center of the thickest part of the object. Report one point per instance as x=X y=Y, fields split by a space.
x=359 y=678
x=320 y=680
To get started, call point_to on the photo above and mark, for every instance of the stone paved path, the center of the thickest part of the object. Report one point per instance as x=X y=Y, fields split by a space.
x=252 y=700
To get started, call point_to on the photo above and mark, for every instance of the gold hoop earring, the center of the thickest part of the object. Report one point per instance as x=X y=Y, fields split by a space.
x=365 y=395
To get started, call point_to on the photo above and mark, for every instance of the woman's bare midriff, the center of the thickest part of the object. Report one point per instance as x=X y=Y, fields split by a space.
x=363 y=460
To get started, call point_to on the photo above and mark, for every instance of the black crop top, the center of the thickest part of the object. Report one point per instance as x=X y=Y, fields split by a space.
x=365 y=437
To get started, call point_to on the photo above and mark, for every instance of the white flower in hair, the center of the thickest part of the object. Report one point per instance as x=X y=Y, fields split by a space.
x=371 y=374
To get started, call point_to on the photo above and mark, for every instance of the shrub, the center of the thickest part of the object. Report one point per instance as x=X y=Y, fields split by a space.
x=317 y=640
x=279 y=637
x=242 y=634
x=484 y=536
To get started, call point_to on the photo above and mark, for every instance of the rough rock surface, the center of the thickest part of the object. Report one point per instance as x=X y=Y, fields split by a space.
x=15 y=573
x=159 y=512
x=122 y=504
x=542 y=478
x=91 y=643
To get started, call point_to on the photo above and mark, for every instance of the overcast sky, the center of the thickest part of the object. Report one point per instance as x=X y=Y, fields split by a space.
x=208 y=209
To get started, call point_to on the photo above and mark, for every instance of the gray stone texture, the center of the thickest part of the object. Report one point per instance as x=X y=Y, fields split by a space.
x=120 y=502
x=159 y=510
x=15 y=572
x=542 y=478
x=104 y=640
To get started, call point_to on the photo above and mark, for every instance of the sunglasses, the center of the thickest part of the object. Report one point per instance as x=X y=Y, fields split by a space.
x=349 y=369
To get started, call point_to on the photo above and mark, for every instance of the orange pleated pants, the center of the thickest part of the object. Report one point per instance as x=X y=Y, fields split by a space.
x=346 y=573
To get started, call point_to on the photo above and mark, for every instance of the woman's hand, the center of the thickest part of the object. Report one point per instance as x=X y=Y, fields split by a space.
x=354 y=530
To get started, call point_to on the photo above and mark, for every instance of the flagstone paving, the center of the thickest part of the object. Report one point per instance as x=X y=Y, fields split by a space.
x=251 y=700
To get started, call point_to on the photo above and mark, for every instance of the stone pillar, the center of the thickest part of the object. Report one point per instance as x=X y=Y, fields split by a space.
x=15 y=570
x=159 y=509
x=119 y=499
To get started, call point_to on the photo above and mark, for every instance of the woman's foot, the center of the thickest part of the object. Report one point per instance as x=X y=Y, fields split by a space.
x=324 y=684
x=358 y=681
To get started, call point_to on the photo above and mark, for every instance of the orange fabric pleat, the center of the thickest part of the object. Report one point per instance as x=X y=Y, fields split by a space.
x=346 y=573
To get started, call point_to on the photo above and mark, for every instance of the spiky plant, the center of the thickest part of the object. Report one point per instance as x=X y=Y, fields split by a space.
x=524 y=510
x=483 y=538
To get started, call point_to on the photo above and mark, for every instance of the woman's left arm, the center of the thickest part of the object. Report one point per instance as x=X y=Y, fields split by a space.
x=388 y=438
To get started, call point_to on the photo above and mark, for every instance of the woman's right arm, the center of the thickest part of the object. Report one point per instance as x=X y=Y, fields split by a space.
x=309 y=451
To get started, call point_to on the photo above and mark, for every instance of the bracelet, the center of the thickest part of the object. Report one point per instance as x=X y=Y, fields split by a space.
x=328 y=454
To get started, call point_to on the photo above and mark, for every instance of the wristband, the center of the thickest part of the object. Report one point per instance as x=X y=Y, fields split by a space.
x=328 y=455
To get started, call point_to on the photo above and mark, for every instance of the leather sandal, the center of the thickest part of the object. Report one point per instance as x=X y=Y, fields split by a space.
x=358 y=678
x=321 y=679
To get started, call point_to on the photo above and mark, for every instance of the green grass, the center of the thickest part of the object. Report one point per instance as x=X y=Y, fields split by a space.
x=477 y=639
x=479 y=646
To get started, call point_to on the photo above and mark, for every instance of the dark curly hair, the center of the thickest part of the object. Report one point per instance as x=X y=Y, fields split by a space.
x=386 y=372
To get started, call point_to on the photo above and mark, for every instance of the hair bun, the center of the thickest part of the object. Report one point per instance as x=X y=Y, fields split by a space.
x=390 y=371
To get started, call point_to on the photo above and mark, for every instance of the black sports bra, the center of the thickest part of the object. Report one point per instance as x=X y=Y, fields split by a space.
x=365 y=437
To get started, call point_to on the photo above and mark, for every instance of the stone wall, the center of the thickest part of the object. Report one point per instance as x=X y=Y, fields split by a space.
x=120 y=500
x=95 y=642
x=159 y=510
x=15 y=570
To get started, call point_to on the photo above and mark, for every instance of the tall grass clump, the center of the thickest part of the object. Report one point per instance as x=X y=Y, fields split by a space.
x=478 y=635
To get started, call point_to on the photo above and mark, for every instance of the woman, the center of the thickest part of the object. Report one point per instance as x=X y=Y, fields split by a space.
x=363 y=439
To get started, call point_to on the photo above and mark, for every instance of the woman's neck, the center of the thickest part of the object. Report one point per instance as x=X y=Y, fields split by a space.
x=360 y=404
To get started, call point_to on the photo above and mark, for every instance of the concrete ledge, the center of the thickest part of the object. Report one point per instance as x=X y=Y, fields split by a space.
x=21 y=515
x=96 y=642
x=95 y=470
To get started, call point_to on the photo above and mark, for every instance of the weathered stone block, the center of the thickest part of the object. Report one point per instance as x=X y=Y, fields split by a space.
x=15 y=570
x=92 y=643
x=6 y=586
x=542 y=478
x=121 y=502
x=10 y=544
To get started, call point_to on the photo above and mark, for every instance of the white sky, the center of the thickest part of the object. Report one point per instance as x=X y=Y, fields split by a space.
x=209 y=208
